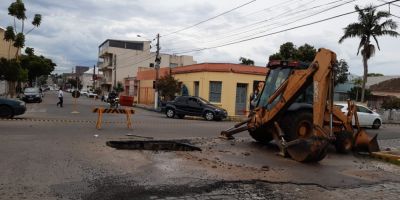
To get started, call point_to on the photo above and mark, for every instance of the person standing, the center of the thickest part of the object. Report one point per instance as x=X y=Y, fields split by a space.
x=60 y=97
x=253 y=98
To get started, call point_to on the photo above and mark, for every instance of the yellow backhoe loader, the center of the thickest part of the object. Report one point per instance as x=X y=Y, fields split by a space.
x=296 y=110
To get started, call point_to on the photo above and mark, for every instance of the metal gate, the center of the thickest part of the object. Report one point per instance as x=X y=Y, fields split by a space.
x=241 y=98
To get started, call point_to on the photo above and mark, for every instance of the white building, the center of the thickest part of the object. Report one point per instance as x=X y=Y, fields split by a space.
x=119 y=61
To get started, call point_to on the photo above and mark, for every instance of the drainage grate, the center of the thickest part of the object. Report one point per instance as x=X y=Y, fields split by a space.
x=155 y=145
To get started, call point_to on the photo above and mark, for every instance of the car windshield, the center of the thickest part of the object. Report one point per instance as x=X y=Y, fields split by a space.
x=31 y=90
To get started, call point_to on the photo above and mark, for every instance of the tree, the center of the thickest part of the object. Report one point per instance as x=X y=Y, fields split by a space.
x=275 y=56
x=168 y=86
x=354 y=93
x=288 y=51
x=17 y=11
x=341 y=72
x=246 y=61
x=368 y=26
x=374 y=74
x=119 y=87
x=36 y=65
x=74 y=83
x=391 y=103
x=306 y=53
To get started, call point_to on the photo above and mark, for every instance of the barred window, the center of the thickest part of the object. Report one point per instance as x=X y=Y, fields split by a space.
x=215 y=91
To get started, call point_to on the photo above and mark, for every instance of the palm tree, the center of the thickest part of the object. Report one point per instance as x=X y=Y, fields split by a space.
x=368 y=26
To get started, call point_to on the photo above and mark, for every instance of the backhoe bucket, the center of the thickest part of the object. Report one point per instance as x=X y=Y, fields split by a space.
x=312 y=149
x=364 y=143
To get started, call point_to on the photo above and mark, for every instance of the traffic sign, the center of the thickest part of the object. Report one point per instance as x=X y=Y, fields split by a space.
x=76 y=94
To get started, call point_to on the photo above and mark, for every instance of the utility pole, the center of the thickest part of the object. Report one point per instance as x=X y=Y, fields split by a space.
x=115 y=71
x=94 y=77
x=158 y=61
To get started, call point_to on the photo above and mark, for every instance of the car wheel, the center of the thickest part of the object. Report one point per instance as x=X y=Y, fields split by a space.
x=6 y=112
x=180 y=116
x=209 y=116
x=170 y=113
x=377 y=123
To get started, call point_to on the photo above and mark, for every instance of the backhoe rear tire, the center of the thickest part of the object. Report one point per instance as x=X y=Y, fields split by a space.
x=297 y=125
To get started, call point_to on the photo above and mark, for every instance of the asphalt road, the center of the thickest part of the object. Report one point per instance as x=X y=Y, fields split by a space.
x=50 y=153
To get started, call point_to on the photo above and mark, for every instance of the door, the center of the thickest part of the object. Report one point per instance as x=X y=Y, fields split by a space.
x=196 y=88
x=241 y=97
x=194 y=106
x=364 y=116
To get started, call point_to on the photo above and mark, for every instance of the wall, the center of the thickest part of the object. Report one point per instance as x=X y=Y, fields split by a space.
x=229 y=83
x=390 y=116
x=4 y=46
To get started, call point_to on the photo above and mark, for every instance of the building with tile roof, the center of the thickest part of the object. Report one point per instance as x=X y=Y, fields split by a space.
x=223 y=84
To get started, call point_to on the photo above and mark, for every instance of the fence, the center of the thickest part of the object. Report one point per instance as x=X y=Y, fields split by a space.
x=390 y=116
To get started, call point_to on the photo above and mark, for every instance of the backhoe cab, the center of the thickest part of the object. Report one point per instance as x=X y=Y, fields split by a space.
x=295 y=109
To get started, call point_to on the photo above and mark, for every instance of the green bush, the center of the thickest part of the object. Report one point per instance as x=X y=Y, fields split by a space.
x=391 y=103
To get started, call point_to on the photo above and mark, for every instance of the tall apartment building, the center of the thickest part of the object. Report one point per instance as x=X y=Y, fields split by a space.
x=119 y=60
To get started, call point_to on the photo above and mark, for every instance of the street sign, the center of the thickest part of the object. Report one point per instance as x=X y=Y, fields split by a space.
x=76 y=94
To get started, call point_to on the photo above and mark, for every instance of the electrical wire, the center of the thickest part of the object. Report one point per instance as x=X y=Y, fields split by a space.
x=297 y=20
x=209 y=19
x=279 y=16
x=281 y=31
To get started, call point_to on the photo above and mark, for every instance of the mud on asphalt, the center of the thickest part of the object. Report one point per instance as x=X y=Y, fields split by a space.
x=243 y=169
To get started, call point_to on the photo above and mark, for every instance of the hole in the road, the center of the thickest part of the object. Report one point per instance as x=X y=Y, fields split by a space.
x=155 y=145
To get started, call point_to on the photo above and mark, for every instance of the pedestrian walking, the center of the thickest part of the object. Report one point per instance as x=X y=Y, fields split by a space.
x=60 y=97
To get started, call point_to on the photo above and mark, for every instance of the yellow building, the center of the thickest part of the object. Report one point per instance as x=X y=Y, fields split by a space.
x=5 y=46
x=226 y=85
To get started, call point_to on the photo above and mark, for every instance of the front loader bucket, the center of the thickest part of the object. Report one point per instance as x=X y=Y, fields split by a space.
x=312 y=149
x=364 y=143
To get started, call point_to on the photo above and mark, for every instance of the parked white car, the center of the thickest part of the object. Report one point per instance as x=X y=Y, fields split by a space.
x=366 y=117
x=91 y=94
x=84 y=93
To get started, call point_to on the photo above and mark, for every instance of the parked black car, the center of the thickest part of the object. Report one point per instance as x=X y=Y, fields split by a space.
x=194 y=106
x=11 y=107
x=32 y=94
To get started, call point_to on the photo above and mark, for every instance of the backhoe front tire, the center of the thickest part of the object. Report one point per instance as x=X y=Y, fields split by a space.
x=343 y=142
x=262 y=134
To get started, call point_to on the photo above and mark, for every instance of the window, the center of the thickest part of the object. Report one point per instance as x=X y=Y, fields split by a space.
x=180 y=99
x=134 y=46
x=363 y=109
x=172 y=65
x=192 y=102
x=215 y=91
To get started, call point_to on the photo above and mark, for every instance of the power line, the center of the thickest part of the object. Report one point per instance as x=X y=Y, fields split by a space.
x=279 y=16
x=308 y=16
x=226 y=12
x=281 y=31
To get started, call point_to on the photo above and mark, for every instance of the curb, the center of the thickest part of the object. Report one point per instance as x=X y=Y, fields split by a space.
x=388 y=156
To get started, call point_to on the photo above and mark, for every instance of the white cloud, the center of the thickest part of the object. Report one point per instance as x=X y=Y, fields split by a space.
x=71 y=31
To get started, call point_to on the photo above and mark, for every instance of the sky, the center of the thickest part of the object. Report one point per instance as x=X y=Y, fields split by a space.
x=71 y=31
